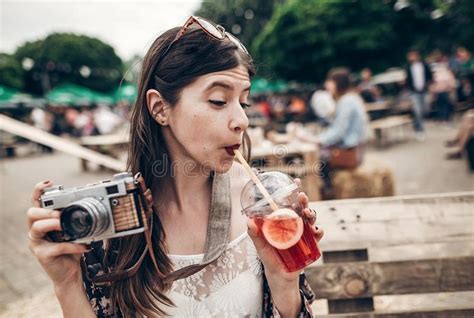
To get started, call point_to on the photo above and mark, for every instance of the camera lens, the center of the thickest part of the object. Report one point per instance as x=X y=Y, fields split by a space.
x=84 y=218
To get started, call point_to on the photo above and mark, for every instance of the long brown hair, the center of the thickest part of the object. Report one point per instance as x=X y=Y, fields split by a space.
x=194 y=55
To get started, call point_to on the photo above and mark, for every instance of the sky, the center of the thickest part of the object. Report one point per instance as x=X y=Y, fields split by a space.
x=129 y=26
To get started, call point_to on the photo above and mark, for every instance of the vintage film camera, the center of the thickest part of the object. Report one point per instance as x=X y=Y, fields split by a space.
x=99 y=211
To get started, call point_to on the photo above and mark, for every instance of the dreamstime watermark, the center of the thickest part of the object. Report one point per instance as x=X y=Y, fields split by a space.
x=280 y=158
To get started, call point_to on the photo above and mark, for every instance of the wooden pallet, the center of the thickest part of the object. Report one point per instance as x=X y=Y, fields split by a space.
x=396 y=257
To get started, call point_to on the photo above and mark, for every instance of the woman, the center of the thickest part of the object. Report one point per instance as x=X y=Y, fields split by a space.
x=342 y=143
x=187 y=120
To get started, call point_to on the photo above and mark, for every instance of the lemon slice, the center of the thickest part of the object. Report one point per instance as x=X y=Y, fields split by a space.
x=283 y=228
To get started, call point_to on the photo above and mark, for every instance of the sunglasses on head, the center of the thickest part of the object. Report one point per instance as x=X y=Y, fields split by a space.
x=215 y=31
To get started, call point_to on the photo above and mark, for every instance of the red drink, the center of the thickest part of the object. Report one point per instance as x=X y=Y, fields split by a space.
x=300 y=254
x=281 y=224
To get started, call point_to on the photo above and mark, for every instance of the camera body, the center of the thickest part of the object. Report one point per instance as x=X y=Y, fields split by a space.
x=98 y=211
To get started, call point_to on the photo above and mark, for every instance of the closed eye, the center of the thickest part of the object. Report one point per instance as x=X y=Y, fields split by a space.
x=244 y=105
x=219 y=103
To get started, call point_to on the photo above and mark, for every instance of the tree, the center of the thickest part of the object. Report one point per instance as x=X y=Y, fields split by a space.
x=67 y=57
x=11 y=72
x=243 y=18
x=305 y=38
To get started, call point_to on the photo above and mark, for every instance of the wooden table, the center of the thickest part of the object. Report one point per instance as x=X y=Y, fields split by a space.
x=296 y=159
x=410 y=256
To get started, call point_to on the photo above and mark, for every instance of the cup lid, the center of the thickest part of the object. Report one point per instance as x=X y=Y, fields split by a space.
x=278 y=185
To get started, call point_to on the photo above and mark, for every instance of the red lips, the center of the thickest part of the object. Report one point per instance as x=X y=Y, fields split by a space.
x=230 y=149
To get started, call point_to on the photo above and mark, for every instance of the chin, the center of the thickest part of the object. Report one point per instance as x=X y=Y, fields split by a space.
x=223 y=166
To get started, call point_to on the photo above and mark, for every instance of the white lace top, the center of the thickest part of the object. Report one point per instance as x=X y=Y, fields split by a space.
x=231 y=286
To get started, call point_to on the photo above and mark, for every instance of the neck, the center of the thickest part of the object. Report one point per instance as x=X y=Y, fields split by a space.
x=185 y=191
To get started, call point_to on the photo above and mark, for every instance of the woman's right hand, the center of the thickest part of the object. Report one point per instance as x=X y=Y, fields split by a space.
x=59 y=260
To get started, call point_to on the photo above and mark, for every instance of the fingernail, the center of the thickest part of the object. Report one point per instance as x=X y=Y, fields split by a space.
x=138 y=175
x=46 y=182
x=88 y=246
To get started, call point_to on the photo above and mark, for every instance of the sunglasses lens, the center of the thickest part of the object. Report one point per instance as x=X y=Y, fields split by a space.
x=210 y=28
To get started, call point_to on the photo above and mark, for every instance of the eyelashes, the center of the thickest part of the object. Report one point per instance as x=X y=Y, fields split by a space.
x=221 y=103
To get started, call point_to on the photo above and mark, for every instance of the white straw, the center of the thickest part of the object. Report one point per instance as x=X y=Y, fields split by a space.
x=256 y=180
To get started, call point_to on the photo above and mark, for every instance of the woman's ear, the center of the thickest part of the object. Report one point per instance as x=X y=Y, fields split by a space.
x=157 y=106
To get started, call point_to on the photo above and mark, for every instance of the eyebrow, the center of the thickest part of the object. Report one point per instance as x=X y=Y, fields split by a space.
x=224 y=85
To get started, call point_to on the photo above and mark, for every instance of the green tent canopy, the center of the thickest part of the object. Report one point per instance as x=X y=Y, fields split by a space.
x=6 y=94
x=263 y=86
x=71 y=94
x=12 y=98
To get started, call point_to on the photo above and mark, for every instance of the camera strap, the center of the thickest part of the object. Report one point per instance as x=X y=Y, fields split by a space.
x=218 y=230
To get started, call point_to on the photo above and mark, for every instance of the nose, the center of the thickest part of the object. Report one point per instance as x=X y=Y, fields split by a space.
x=239 y=120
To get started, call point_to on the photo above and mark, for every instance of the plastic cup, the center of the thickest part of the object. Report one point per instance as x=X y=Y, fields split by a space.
x=288 y=233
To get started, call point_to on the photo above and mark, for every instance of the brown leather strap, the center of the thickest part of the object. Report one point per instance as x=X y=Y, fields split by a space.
x=218 y=230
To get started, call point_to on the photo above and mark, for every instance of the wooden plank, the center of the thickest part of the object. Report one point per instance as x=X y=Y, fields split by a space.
x=381 y=222
x=364 y=279
x=424 y=302
x=42 y=137
x=421 y=251
x=406 y=252
x=393 y=233
x=402 y=207
x=445 y=302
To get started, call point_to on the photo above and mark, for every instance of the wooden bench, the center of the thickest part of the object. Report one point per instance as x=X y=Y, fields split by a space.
x=385 y=128
x=373 y=178
x=407 y=256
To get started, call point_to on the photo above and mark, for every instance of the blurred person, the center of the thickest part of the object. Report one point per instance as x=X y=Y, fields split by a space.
x=263 y=106
x=106 y=121
x=296 y=109
x=80 y=122
x=368 y=91
x=442 y=87
x=43 y=120
x=342 y=143
x=465 y=72
x=188 y=119
x=418 y=79
x=464 y=134
x=323 y=106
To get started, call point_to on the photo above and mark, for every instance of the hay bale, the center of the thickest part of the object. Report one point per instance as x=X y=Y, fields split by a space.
x=373 y=178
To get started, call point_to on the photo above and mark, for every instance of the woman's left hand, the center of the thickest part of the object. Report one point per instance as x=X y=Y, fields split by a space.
x=274 y=269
